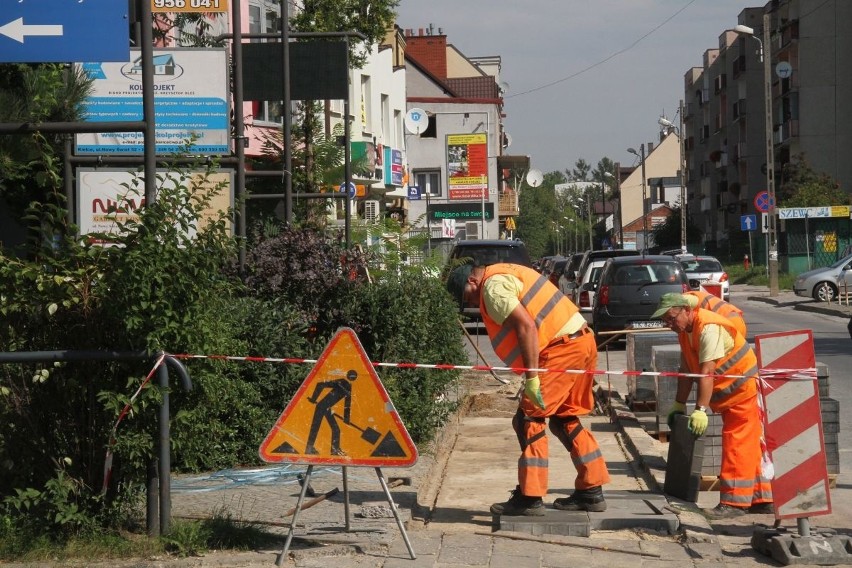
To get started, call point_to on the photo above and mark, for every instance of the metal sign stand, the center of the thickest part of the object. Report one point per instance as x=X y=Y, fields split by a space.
x=307 y=481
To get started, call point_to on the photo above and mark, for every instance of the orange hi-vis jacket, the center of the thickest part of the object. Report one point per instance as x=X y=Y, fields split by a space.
x=549 y=308
x=728 y=390
x=716 y=304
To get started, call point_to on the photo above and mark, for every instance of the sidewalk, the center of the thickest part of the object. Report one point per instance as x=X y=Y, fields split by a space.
x=444 y=499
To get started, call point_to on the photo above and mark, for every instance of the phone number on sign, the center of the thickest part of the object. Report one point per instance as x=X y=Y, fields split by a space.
x=189 y=5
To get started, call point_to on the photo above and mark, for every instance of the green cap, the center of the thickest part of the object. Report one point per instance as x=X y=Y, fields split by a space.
x=456 y=282
x=671 y=300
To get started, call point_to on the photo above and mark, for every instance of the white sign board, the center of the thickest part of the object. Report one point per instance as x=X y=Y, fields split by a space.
x=191 y=102
x=108 y=196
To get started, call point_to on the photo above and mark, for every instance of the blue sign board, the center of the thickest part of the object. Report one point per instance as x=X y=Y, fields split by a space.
x=352 y=189
x=413 y=192
x=60 y=31
x=748 y=222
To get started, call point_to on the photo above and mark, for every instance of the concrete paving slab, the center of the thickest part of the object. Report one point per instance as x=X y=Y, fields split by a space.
x=567 y=523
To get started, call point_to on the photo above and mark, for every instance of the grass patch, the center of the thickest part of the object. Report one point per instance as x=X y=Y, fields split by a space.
x=757 y=276
x=186 y=538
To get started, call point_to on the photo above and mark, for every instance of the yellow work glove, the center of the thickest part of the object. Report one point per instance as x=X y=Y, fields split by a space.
x=532 y=390
x=698 y=422
x=677 y=408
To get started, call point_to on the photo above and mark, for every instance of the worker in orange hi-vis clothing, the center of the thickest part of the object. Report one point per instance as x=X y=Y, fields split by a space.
x=712 y=346
x=532 y=325
x=708 y=301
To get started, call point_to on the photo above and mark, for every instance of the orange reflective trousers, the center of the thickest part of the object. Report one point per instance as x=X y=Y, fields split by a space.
x=566 y=396
x=741 y=481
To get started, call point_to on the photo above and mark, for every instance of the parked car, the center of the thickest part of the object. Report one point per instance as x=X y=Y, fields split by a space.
x=822 y=284
x=586 y=287
x=630 y=288
x=485 y=253
x=554 y=271
x=705 y=269
x=568 y=278
x=591 y=255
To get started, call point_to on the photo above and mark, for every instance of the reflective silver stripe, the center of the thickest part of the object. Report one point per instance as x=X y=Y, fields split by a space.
x=729 y=390
x=590 y=457
x=735 y=358
x=533 y=462
x=548 y=306
x=745 y=499
x=733 y=483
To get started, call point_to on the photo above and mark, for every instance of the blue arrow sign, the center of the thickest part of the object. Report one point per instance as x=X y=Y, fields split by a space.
x=351 y=189
x=748 y=222
x=59 y=31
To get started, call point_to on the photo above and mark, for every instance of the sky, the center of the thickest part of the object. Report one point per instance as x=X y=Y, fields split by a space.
x=586 y=78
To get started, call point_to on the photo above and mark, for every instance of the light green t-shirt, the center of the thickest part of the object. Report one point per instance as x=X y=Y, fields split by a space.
x=714 y=343
x=500 y=298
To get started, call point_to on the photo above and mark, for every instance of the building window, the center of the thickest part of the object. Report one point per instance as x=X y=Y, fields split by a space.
x=264 y=16
x=429 y=182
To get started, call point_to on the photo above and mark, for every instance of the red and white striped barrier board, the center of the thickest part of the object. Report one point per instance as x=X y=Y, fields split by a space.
x=793 y=423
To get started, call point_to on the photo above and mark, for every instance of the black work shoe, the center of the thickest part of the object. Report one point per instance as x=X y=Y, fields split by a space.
x=519 y=505
x=590 y=499
x=762 y=509
x=722 y=511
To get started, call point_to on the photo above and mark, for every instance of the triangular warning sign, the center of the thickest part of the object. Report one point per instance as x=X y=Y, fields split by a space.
x=341 y=415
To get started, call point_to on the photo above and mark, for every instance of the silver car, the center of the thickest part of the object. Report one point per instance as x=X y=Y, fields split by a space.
x=822 y=284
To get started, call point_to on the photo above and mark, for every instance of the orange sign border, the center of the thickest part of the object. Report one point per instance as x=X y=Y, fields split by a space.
x=405 y=440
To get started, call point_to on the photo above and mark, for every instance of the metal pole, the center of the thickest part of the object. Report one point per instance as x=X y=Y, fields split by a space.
x=766 y=55
x=239 y=133
x=164 y=445
x=288 y=120
x=347 y=159
x=682 y=149
x=428 y=224
x=644 y=202
x=150 y=150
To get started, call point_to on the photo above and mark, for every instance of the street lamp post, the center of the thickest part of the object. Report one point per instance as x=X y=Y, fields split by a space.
x=772 y=233
x=665 y=123
x=603 y=201
x=568 y=234
x=641 y=155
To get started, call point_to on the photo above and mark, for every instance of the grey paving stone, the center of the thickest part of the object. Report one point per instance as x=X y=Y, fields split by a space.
x=555 y=522
x=530 y=560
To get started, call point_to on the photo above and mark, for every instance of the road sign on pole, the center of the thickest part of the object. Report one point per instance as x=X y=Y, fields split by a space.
x=59 y=31
x=351 y=189
x=762 y=201
x=748 y=222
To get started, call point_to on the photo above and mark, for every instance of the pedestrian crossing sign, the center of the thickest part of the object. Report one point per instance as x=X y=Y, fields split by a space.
x=340 y=415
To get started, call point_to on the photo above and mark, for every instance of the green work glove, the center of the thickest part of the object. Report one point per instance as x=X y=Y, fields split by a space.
x=532 y=390
x=677 y=408
x=698 y=422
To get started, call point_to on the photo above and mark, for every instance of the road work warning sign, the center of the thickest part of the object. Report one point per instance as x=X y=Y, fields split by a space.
x=341 y=415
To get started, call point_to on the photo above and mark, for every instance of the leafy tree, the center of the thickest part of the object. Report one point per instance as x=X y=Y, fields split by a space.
x=34 y=94
x=802 y=186
x=580 y=172
x=666 y=235
x=537 y=214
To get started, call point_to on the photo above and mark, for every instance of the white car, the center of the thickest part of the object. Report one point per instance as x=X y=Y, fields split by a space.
x=705 y=270
x=584 y=293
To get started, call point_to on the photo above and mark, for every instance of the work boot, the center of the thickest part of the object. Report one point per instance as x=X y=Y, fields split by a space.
x=723 y=511
x=590 y=499
x=762 y=509
x=519 y=505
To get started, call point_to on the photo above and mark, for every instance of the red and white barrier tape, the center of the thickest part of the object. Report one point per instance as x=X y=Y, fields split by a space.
x=448 y=367
x=124 y=412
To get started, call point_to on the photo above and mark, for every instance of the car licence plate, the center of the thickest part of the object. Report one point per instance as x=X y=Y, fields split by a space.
x=647 y=324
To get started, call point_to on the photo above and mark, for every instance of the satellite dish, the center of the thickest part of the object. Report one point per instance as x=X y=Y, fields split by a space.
x=416 y=121
x=504 y=87
x=507 y=140
x=534 y=178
